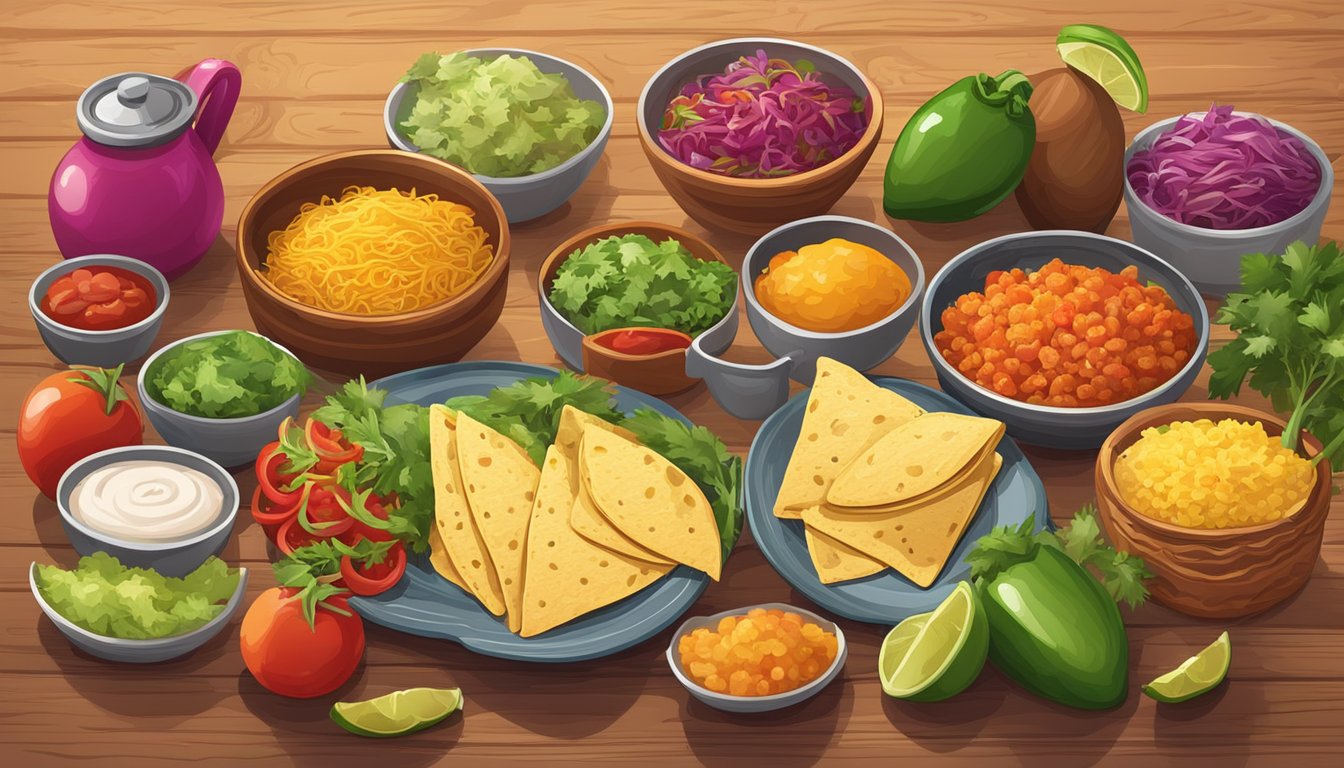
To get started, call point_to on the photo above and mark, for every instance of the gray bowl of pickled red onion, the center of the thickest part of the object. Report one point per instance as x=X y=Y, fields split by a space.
x=150 y=506
x=1211 y=257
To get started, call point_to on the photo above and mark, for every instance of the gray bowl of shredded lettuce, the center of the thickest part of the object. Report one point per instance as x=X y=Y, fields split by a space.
x=529 y=157
x=200 y=595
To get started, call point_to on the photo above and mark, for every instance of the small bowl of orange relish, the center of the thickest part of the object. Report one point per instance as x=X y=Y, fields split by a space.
x=100 y=310
x=757 y=659
x=1063 y=335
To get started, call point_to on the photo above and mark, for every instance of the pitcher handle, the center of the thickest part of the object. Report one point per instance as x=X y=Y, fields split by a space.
x=216 y=83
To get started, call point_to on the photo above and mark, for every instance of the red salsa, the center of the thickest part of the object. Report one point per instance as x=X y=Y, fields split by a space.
x=100 y=299
x=643 y=341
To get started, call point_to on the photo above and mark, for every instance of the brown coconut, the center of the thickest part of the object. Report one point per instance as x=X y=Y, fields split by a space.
x=1077 y=169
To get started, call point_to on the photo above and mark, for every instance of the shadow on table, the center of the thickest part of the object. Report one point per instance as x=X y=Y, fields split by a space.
x=307 y=736
x=993 y=708
x=794 y=737
x=137 y=691
x=1190 y=726
x=50 y=533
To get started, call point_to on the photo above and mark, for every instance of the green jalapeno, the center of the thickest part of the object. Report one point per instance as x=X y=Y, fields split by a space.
x=963 y=152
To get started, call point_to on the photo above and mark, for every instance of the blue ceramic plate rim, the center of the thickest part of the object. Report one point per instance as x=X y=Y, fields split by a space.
x=426 y=604
x=887 y=597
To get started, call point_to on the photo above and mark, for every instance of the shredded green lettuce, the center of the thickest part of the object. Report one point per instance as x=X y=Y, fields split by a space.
x=502 y=117
x=228 y=376
x=629 y=280
x=109 y=599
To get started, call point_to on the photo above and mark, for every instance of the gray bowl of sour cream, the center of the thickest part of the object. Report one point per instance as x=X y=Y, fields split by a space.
x=150 y=506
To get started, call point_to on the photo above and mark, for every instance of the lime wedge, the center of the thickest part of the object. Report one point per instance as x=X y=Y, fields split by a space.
x=1104 y=56
x=933 y=656
x=1198 y=674
x=397 y=713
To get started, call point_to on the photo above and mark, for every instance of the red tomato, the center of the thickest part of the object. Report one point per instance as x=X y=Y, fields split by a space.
x=378 y=578
x=269 y=478
x=290 y=536
x=70 y=415
x=288 y=656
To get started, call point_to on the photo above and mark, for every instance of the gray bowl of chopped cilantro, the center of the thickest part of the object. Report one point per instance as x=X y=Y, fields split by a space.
x=222 y=394
x=636 y=274
x=528 y=126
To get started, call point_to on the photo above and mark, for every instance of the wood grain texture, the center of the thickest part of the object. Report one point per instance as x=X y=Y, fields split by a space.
x=314 y=82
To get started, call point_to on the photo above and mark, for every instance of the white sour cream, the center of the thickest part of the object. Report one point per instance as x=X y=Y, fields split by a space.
x=147 y=501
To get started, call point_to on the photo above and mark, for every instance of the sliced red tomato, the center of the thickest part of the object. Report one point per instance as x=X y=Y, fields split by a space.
x=378 y=509
x=324 y=513
x=268 y=513
x=271 y=480
x=330 y=445
x=290 y=536
x=377 y=578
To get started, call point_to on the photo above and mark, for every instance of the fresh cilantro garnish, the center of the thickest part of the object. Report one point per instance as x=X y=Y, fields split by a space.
x=528 y=411
x=1122 y=574
x=629 y=280
x=1289 y=321
x=395 y=440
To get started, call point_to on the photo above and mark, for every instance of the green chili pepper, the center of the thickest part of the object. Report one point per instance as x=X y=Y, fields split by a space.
x=963 y=152
x=1052 y=626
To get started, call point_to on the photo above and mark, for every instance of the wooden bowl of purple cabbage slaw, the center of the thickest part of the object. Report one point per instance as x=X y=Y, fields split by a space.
x=1210 y=257
x=755 y=205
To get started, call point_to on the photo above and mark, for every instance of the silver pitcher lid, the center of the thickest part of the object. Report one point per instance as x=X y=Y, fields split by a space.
x=134 y=109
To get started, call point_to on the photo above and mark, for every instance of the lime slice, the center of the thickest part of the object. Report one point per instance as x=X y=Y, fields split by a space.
x=933 y=656
x=1198 y=674
x=398 y=713
x=1104 y=56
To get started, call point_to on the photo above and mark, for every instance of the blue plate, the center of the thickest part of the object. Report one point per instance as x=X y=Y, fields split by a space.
x=886 y=597
x=424 y=603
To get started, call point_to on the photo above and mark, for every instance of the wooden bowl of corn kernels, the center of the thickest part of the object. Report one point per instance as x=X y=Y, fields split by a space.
x=1215 y=573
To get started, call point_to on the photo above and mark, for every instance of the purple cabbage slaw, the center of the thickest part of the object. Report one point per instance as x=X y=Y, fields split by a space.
x=762 y=118
x=1225 y=171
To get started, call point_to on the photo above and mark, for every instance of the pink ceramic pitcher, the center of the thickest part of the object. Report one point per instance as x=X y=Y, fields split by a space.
x=142 y=182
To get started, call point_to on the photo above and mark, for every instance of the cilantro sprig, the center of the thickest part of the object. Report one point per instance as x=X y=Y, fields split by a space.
x=1289 y=321
x=1122 y=574
x=395 y=439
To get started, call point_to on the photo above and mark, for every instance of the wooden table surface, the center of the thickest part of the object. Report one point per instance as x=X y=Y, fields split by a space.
x=314 y=82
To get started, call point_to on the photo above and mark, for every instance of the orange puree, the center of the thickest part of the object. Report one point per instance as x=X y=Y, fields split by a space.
x=832 y=287
x=764 y=652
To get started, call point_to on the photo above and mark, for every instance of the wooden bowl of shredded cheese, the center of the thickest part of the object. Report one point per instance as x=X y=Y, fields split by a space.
x=374 y=261
x=1229 y=522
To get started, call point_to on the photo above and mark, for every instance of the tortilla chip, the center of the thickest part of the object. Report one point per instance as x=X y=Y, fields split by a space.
x=836 y=561
x=501 y=485
x=462 y=541
x=916 y=542
x=846 y=412
x=438 y=558
x=650 y=500
x=914 y=459
x=568 y=576
x=583 y=515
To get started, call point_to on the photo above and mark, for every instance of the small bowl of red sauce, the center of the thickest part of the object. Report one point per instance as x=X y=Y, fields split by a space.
x=651 y=360
x=99 y=310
